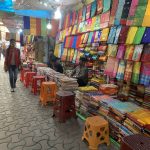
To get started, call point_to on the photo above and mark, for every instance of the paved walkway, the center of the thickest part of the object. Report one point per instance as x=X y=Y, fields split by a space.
x=26 y=125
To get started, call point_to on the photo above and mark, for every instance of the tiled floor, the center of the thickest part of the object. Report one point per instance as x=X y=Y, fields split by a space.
x=26 y=125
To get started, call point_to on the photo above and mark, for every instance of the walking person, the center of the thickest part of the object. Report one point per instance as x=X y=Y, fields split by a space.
x=12 y=63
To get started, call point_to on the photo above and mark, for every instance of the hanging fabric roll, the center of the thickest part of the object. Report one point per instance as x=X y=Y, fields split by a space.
x=131 y=34
x=137 y=52
x=146 y=36
x=136 y=72
x=129 y=52
x=112 y=34
x=93 y=8
x=123 y=34
x=121 y=69
x=104 y=35
x=146 y=53
x=43 y=27
x=128 y=71
x=99 y=6
x=88 y=10
x=117 y=34
x=121 y=51
x=112 y=50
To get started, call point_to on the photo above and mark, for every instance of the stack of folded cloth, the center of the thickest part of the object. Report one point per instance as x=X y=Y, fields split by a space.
x=87 y=89
x=146 y=101
x=66 y=83
x=138 y=121
x=132 y=92
x=140 y=93
x=109 y=89
x=96 y=82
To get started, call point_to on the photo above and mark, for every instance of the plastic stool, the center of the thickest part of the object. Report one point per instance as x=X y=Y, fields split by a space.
x=135 y=142
x=22 y=73
x=28 y=78
x=96 y=132
x=64 y=107
x=48 y=92
x=35 y=86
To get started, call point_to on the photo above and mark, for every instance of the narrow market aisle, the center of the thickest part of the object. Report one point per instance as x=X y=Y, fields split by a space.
x=26 y=125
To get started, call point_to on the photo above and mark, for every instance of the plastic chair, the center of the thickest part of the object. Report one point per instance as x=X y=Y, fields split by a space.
x=96 y=132
x=22 y=73
x=36 y=83
x=64 y=107
x=48 y=92
x=28 y=78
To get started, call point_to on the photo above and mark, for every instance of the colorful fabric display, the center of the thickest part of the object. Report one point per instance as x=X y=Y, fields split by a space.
x=125 y=11
x=139 y=34
x=132 y=11
x=146 y=53
x=79 y=41
x=121 y=51
x=88 y=10
x=93 y=9
x=136 y=72
x=129 y=52
x=113 y=11
x=71 y=41
x=74 y=29
x=32 y=26
x=146 y=36
x=74 y=42
x=146 y=20
x=64 y=55
x=89 y=24
x=123 y=34
x=145 y=74
x=26 y=23
x=104 y=20
x=85 y=38
x=90 y=37
x=97 y=36
x=131 y=34
x=128 y=71
x=104 y=35
x=115 y=68
x=119 y=12
x=75 y=56
x=137 y=52
x=84 y=13
x=99 y=6
x=109 y=69
x=106 y=5
x=80 y=16
x=112 y=50
x=96 y=23
x=117 y=34
x=139 y=14
x=121 y=69
x=112 y=34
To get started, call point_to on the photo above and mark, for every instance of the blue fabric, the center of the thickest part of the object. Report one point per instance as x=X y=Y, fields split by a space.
x=35 y=13
x=117 y=34
x=144 y=79
x=106 y=5
x=26 y=21
x=74 y=42
x=6 y=5
x=146 y=37
x=112 y=34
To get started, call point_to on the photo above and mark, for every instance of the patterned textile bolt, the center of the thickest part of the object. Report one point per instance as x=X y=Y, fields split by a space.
x=128 y=71
x=121 y=69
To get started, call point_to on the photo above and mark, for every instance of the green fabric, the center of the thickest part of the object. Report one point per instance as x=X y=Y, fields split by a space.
x=135 y=78
x=137 y=21
x=106 y=5
x=142 y=2
x=43 y=27
x=139 y=35
x=140 y=11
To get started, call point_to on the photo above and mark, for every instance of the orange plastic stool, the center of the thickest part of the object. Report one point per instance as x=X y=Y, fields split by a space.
x=96 y=132
x=35 y=85
x=22 y=73
x=48 y=92
x=28 y=78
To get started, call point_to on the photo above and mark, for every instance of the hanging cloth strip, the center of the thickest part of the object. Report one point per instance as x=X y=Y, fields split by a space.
x=99 y=6
x=117 y=34
x=129 y=52
x=139 y=34
x=128 y=71
x=123 y=34
x=146 y=36
x=121 y=69
x=131 y=34
x=146 y=53
x=112 y=34
x=112 y=50
x=121 y=51
x=137 y=52
x=93 y=8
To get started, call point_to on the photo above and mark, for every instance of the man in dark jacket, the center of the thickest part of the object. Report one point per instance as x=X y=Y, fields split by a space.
x=12 y=63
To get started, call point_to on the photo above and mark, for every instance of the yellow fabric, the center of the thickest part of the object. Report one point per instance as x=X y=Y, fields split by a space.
x=131 y=34
x=146 y=20
x=74 y=29
x=32 y=26
x=93 y=23
x=56 y=51
x=104 y=35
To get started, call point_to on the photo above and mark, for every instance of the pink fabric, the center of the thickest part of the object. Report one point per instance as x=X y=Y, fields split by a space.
x=105 y=17
x=145 y=69
x=133 y=7
x=116 y=68
x=121 y=51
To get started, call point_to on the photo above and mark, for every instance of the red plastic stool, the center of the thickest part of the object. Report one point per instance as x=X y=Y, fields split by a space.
x=135 y=142
x=35 y=86
x=28 y=78
x=22 y=73
x=64 y=107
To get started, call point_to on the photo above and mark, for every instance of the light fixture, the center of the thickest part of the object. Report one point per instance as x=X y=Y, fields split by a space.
x=57 y=13
x=20 y=31
x=57 y=0
x=49 y=26
x=45 y=4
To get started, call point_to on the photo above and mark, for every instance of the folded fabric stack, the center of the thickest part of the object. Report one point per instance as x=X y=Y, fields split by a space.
x=62 y=81
x=138 y=121
x=146 y=101
x=96 y=82
x=109 y=89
